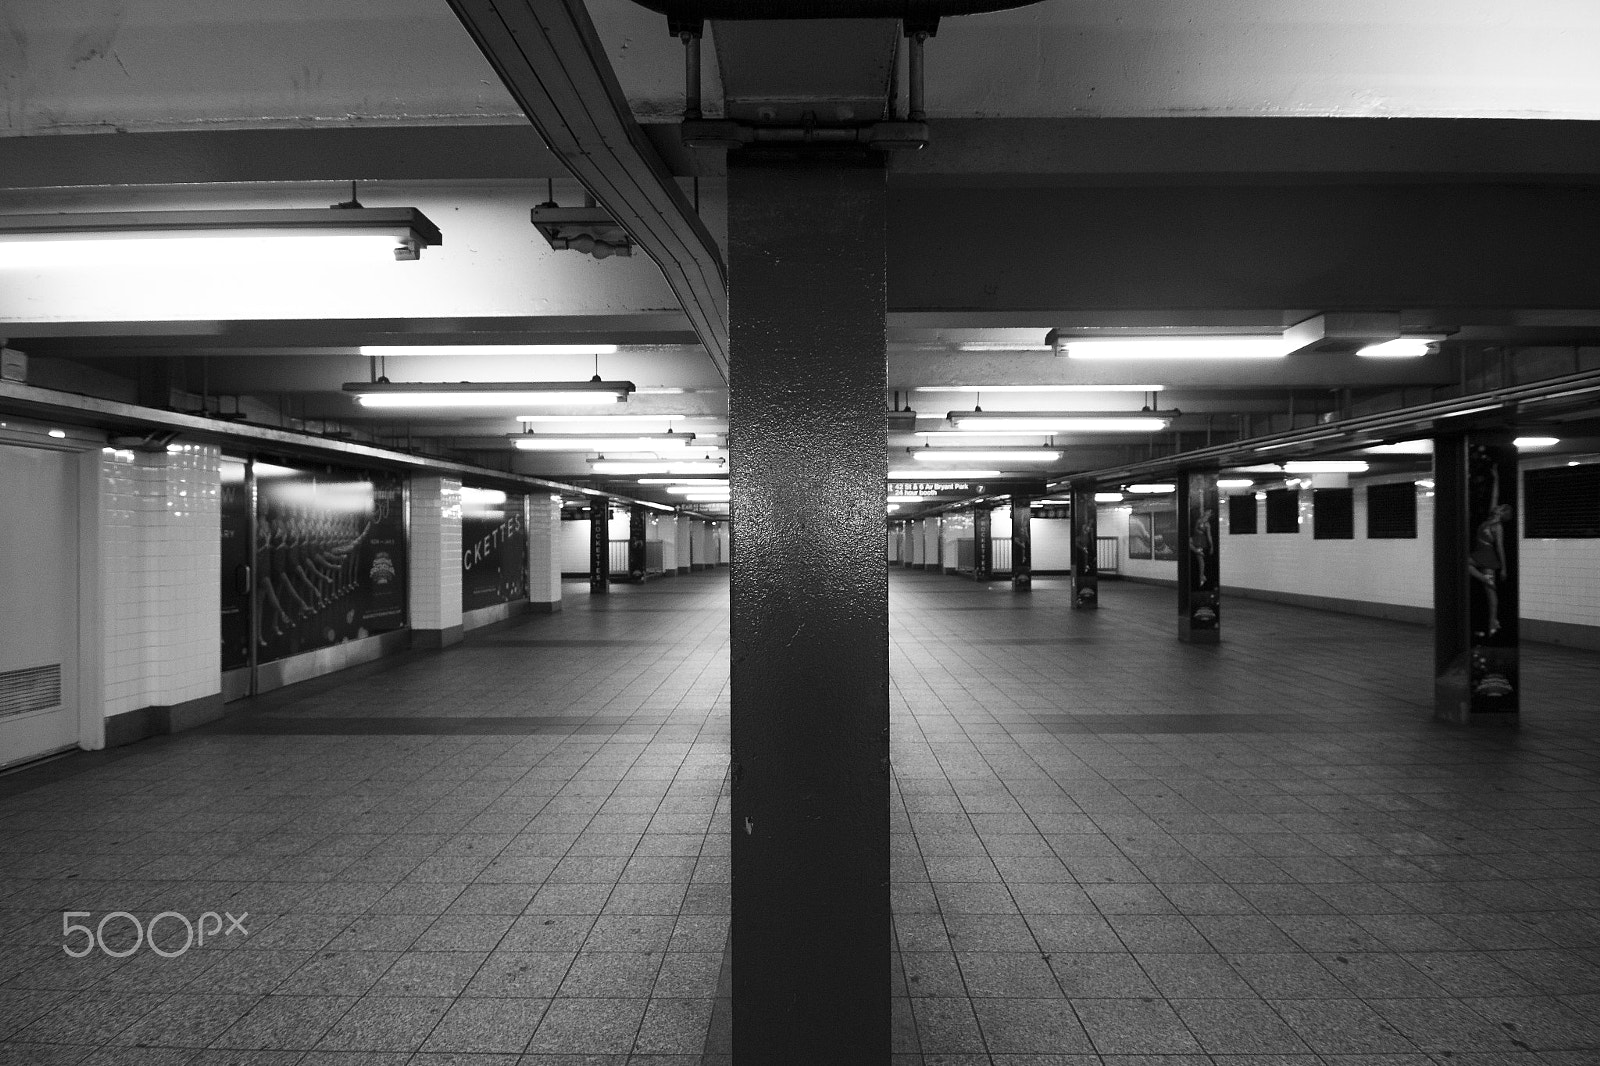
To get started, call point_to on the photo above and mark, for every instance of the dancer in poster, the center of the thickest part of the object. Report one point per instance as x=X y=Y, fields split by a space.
x=1487 y=562
x=1200 y=544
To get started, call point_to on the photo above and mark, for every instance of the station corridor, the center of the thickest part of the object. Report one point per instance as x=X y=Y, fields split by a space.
x=1109 y=848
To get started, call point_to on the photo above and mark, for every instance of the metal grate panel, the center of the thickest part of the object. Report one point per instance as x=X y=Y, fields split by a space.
x=34 y=688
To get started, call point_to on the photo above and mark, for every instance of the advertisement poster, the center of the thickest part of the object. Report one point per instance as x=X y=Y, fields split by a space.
x=494 y=549
x=1164 y=535
x=235 y=565
x=1492 y=569
x=1139 y=545
x=330 y=557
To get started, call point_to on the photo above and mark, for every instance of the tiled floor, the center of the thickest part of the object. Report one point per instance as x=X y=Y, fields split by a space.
x=1110 y=848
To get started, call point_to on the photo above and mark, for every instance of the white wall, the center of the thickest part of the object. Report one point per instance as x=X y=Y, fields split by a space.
x=1052 y=543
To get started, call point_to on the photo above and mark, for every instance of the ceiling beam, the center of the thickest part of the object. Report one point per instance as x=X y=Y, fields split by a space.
x=548 y=55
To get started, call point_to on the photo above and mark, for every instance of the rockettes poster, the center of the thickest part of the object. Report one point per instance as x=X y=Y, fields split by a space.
x=330 y=558
x=494 y=549
x=1492 y=568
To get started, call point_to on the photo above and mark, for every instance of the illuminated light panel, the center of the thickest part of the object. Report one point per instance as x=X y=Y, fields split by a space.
x=984 y=455
x=1399 y=348
x=1241 y=347
x=1404 y=447
x=1152 y=489
x=1108 y=497
x=481 y=496
x=687 y=482
x=1326 y=466
x=940 y=475
x=386 y=350
x=192 y=252
x=1057 y=422
x=1536 y=442
x=417 y=394
x=686 y=488
x=1234 y=483
x=646 y=442
x=1039 y=388
x=676 y=466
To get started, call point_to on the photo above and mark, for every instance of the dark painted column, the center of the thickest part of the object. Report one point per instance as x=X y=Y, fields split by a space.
x=1021 y=543
x=636 y=539
x=1199 y=584
x=1085 y=548
x=810 y=642
x=599 y=546
x=1475 y=602
x=982 y=546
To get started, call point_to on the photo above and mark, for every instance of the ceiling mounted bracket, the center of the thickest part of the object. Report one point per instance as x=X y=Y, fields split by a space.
x=589 y=229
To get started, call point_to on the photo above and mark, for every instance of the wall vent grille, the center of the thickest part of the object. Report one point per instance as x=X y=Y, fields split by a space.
x=34 y=688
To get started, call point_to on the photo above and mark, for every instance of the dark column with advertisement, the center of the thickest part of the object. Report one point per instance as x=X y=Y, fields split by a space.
x=1021 y=543
x=811 y=931
x=1475 y=602
x=1085 y=548
x=982 y=545
x=1195 y=541
x=599 y=546
x=238 y=561
x=636 y=542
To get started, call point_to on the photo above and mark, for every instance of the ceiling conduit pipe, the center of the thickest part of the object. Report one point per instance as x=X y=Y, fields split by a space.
x=551 y=59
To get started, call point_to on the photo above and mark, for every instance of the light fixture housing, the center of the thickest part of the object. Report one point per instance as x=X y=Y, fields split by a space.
x=1196 y=346
x=1153 y=489
x=1326 y=466
x=565 y=442
x=927 y=454
x=399 y=350
x=1536 y=442
x=487 y=393
x=293 y=234
x=977 y=421
x=1038 y=388
x=1412 y=347
x=1108 y=497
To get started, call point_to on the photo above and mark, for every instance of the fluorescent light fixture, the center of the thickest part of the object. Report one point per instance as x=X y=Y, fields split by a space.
x=597 y=423
x=561 y=442
x=1404 y=447
x=1252 y=346
x=1152 y=489
x=1060 y=421
x=488 y=393
x=1399 y=348
x=1536 y=442
x=1108 y=497
x=1234 y=482
x=685 y=481
x=984 y=455
x=59 y=434
x=940 y=475
x=687 y=488
x=387 y=350
x=891 y=508
x=153 y=238
x=263 y=469
x=481 y=496
x=671 y=466
x=657 y=506
x=1038 y=388
x=1425 y=483
x=1001 y=346
x=1326 y=466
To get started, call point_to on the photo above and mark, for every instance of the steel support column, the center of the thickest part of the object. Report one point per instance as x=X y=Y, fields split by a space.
x=599 y=546
x=809 y=632
x=1021 y=543
x=636 y=541
x=1085 y=547
x=1475 y=602
x=982 y=545
x=1199 y=584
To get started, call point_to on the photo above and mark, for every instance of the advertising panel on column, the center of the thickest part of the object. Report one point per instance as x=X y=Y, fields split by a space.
x=1492 y=608
x=494 y=549
x=330 y=557
x=236 y=564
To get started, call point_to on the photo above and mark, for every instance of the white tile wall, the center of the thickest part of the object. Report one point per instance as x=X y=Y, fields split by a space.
x=435 y=594
x=160 y=568
x=544 y=542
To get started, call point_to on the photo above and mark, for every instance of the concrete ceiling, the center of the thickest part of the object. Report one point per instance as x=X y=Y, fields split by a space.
x=1139 y=166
